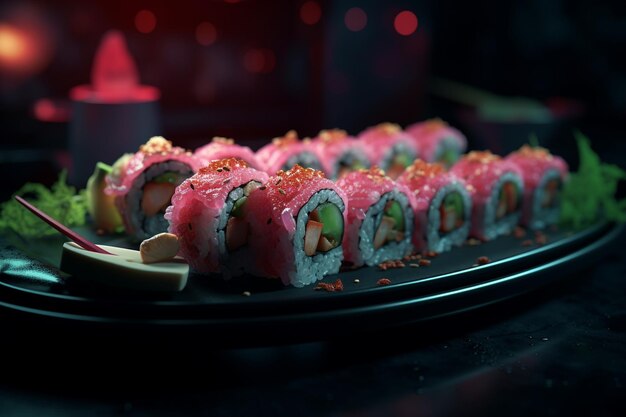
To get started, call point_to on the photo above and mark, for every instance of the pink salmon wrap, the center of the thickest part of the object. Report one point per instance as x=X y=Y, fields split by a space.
x=425 y=180
x=334 y=146
x=363 y=189
x=482 y=171
x=272 y=213
x=197 y=206
x=382 y=142
x=534 y=163
x=430 y=136
x=221 y=148
x=274 y=156
x=155 y=151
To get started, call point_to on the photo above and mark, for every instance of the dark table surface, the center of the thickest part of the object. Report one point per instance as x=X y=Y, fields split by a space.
x=560 y=350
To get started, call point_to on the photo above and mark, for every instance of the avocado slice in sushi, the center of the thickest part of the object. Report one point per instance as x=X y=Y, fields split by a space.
x=451 y=212
x=394 y=210
x=169 y=177
x=448 y=157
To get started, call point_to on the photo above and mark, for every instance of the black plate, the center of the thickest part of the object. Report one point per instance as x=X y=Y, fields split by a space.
x=451 y=283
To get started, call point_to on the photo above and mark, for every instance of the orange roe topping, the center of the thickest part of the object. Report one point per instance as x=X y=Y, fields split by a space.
x=535 y=152
x=221 y=165
x=332 y=135
x=298 y=175
x=289 y=138
x=421 y=168
x=433 y=124
x=481 y=157
x=388 y=128
x=374 y=174
x=223 y=141
x=159 y=145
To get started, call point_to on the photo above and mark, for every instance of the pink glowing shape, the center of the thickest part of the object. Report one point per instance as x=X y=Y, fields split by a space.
x=113 y=69
x=114 y=75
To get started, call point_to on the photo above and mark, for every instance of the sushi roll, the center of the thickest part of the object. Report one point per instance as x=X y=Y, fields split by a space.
x=543 y=175
x=144 y=184
x=496 y=188
x=438 y=141
x=340 y=153
x=221 y=148
x=380 y=218
x=389 y=148
x=208 y=216
x=285 y=152
x=442 y=206
x=297 y=225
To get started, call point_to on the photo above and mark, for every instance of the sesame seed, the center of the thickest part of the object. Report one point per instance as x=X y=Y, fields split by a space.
x=246 y=293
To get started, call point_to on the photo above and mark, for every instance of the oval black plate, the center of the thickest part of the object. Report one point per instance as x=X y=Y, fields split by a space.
x=450 y=284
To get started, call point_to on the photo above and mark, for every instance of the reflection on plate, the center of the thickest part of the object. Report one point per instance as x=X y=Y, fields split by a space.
x=452 y=282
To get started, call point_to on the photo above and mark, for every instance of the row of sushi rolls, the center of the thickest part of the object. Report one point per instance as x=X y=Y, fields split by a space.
x=297 y=209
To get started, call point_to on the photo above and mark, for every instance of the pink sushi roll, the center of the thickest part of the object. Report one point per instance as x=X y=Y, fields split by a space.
x=297 y=223
x=496 y=188
x=284 y=152
x=389 y=148
x=145 y=182
x=207 y=215
x=221 y=148
x=340 y=153
x=380 y=218
x=543 y=175
x=438 y=141
x=442 y=206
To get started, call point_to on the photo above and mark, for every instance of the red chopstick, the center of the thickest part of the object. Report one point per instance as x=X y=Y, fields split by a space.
x=80 y=240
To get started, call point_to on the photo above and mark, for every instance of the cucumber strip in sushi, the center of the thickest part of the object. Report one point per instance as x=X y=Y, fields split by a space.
x=297 y=224
x=496 y=188
x=208 y=216
x=145 y=182
x=543 y=175
x=389 y=148
x=340 y=153
x=285 y=152
x=380 y=218
x=438 y=141
x=442 y=206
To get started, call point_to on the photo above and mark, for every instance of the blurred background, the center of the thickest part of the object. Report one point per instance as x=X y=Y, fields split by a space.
x=253 y=69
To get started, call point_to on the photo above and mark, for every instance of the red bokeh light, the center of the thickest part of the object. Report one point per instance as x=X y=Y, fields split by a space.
x=206 y=34
x=405 y=23
x=355 y=19
x=145 y=21
x=47 y=110
x=310 y=12
x=259 y=60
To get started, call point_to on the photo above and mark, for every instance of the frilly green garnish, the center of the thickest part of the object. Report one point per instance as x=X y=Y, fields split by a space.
x=61 y=201
x=590 y=192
